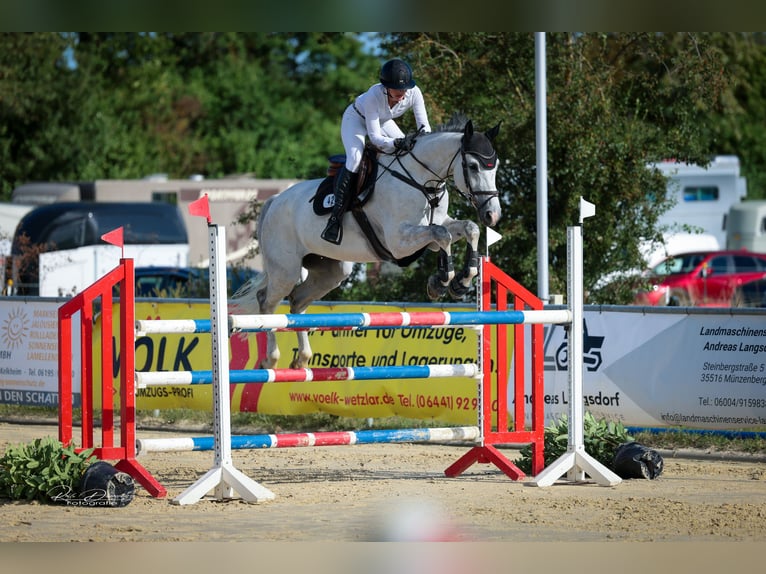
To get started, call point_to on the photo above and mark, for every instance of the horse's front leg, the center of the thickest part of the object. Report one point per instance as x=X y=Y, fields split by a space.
x=438 y=284
x=462 y=282
x=411 y=238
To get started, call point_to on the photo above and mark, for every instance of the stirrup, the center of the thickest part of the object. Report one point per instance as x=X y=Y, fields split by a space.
x=333 y=232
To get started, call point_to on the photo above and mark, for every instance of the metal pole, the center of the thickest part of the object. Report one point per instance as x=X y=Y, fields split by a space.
x=542 y=168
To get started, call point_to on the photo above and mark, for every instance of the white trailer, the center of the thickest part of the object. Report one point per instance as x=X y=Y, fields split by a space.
x=702 y=196
x=229 y=199
x=67 y=272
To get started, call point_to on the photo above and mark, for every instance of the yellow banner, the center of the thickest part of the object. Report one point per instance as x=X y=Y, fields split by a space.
x=448 y=400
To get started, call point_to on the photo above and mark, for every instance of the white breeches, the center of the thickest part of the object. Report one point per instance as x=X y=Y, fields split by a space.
x=353 y=132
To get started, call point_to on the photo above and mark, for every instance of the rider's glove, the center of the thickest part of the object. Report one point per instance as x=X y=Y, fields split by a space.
x=404 y=144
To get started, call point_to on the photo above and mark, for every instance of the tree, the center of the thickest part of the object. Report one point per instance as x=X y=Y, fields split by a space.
x=271 y=103
x=740 y=128
x=34 y=109
x=83 y=106
x=614 y=103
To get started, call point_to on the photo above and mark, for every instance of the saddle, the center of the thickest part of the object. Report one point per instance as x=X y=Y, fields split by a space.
x=360 y=195
x=362 y=190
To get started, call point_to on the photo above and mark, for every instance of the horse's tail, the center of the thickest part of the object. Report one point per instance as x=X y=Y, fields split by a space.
x=245 y=300
x=262 y=215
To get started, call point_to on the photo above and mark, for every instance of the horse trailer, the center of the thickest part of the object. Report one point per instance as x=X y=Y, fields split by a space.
x=746 y=226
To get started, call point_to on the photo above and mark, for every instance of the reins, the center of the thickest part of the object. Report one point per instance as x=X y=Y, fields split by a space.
x=435 y=193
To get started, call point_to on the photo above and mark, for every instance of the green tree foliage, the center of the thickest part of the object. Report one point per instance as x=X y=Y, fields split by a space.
x=614 y=102
x=33 y=115
x=86 y=106
x=83 y=106
x=740 y=128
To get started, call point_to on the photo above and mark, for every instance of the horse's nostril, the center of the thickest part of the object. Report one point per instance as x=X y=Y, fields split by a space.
x=490 y=218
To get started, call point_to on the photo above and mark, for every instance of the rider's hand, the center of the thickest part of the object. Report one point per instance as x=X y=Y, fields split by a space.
x=404 y=144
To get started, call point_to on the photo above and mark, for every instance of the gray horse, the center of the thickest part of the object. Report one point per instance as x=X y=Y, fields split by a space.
x=407 y=213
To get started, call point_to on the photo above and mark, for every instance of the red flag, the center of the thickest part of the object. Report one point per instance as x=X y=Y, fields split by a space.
x=200 y=207
x=114 y=237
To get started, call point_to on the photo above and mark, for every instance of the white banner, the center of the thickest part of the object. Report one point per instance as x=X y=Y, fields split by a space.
x=700 y=370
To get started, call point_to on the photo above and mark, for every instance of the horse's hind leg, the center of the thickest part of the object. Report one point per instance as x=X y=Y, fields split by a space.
x=272 y=349
x=251 y=299
x=269 y=297
x=323 y=276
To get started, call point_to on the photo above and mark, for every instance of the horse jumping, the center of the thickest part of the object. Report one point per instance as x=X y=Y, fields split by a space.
x=408 y=212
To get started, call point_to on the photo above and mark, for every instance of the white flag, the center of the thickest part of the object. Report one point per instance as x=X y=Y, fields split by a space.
x=587 y=209
x=492 y=236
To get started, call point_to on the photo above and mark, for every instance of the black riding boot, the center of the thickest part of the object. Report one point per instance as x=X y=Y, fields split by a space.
x=333 y=232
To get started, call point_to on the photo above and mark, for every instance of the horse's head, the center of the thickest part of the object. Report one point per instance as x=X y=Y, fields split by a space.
x=478 y=168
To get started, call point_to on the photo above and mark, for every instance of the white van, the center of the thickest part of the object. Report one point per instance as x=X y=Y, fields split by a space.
x=746 y=227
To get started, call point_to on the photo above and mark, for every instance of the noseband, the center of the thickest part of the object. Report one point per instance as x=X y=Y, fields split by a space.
x=487 y=162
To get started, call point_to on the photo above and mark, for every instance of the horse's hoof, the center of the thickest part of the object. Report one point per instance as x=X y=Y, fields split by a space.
x=300 y=362
x=457 y=290
x=435 y=288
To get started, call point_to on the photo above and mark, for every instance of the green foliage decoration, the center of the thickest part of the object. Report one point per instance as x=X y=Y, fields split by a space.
x=601 y=439
x=36 y=470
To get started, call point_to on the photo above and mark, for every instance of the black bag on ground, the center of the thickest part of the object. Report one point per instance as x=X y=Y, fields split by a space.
x=634 y=460
x=104 y=485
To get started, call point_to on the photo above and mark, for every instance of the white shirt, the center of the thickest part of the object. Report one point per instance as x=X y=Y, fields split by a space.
x=373 y=106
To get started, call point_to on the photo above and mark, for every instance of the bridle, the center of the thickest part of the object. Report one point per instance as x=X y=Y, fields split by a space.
x=487 y=162
x=435 y=189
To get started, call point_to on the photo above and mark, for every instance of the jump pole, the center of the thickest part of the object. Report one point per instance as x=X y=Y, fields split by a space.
x=176 y=378
x=575 y=462
x=307 y=439
x=223 y=478
x=356 y=321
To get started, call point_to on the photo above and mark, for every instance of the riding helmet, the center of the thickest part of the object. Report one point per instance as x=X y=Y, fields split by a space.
x=396 y=74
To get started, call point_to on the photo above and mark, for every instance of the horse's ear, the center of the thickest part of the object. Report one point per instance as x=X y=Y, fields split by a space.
x=492 y=134
x=468 y=130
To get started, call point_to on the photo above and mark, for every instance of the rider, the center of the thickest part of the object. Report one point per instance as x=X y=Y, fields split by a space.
x=372 y=115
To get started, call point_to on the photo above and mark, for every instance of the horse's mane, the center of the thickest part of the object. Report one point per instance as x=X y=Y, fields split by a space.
x=455 y=124
x=478 y=142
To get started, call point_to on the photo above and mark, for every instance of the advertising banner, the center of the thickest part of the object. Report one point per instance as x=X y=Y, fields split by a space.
x=699 y=369
x=695 y=370
x=29 y=352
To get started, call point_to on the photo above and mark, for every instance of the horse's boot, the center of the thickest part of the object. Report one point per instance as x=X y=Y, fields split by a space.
x=333 y=231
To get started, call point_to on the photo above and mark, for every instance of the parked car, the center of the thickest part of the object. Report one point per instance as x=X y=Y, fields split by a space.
x=751 y=294
x=186 y=281
x=701 y=278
